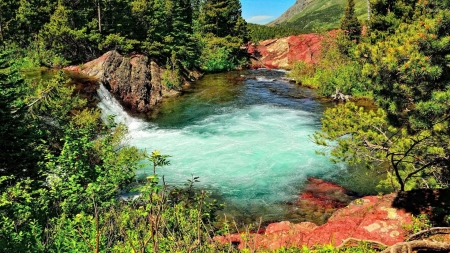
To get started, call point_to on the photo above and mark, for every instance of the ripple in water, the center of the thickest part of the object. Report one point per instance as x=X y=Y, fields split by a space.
x=247 y=140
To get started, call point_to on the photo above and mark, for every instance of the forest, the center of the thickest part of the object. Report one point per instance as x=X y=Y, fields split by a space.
x=204 y=34
x=62 y=167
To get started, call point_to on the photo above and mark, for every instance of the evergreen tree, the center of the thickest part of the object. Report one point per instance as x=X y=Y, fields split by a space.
x=30 y=16
x=221 y=18
x=406 y=63
x=411 y=66
x=150 y=19
x=7 y=10
x=179 y=40
x=19 y=136
x=350 y=23
x=63 y=38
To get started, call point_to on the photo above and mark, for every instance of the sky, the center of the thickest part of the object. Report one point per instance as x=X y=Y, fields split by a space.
x=264 y=11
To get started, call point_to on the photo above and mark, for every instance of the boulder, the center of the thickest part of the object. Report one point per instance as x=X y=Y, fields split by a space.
x=135 y=80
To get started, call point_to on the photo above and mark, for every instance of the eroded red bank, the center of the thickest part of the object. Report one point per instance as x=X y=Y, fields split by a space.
x=283 y=52
x=368 y=218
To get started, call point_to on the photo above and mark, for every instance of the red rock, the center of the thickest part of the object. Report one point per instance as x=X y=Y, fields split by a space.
x=283 y=52
x=321 y=195
x=278 y=227
x=368 y=218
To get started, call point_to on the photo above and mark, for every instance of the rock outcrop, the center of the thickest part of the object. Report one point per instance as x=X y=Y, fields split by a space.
x=134 y=80
x=370 y=218
x=282 y=53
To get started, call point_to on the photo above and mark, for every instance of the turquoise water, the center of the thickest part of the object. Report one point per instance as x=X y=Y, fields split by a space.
x=246 y=138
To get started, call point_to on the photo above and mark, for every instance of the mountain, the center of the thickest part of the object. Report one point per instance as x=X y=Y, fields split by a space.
x=299 y=6
x=318 y=15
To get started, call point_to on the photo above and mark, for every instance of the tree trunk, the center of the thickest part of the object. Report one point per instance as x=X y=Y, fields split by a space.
x=422 y=246
x=99 y=12
x=1 y=35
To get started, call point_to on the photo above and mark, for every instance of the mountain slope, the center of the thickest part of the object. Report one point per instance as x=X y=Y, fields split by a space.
x=291 y=12
x=318 y=15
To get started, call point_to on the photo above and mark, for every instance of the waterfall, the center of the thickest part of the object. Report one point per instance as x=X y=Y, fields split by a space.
x=110 y=106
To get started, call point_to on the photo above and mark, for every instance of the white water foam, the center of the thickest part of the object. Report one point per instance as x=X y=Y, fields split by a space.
x=255 y=155
x=264 y=79
x=110 y=106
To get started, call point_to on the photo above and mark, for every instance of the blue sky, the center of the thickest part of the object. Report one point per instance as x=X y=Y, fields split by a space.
x=264 y=11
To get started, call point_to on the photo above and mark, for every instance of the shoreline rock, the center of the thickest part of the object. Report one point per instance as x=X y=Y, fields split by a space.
x=369 y=218
x=135 y=80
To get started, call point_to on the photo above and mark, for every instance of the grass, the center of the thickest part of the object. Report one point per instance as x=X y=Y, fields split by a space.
x=324 y=15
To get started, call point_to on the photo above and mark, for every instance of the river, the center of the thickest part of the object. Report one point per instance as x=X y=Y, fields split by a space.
x=245 y=134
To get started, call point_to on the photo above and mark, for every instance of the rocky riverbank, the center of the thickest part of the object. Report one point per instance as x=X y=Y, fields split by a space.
x=369 y=218
x=382 y=220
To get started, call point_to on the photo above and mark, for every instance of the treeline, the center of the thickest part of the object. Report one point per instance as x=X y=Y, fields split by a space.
x=402 y=62
x=262 y=32
x=197 y=33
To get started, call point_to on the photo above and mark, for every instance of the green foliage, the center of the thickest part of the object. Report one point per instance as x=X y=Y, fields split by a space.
x=158 y=160
x=220 y=54
x=53 y=98
x=171 y=77
x=23 y=209
x=20 y=136
x=350 y=23
x=334 y=70
x=220 y=32
x=419 y=222
x=357 y=136
x=410 y=67
x=222 y=18
x=61 y=37
x=116 y=42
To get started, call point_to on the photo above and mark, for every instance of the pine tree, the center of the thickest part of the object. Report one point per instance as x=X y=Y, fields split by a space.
x=151 y=23
x=220 y=17
x=179 y=39
x=350 y=23
x=18 y=135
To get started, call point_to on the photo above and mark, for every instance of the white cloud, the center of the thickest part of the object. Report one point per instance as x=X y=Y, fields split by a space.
x=259 y=19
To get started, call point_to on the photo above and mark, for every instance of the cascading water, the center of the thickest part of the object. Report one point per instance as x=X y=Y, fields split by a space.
x=247 y=140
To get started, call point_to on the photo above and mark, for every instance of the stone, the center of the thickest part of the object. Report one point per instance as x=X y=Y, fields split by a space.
x=371 y=218
x=135 y=80
x=284 y=52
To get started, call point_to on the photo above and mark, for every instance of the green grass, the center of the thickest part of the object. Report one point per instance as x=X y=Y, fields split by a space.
x=324 y=15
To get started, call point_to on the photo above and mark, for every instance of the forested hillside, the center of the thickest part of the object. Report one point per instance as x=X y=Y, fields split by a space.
x=318 y=15
x=307 y=16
